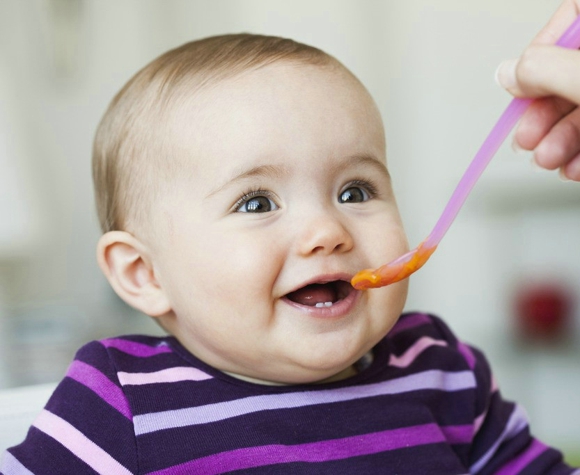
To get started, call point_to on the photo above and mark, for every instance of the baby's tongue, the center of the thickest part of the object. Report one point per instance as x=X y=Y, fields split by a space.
x=313 y=294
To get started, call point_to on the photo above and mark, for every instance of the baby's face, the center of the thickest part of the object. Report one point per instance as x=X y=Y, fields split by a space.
x=284 y=197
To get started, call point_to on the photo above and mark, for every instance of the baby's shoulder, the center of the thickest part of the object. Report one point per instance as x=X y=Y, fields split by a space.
x=128 y=352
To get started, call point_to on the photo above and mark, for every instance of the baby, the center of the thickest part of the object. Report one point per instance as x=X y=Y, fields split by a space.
x=241 y=182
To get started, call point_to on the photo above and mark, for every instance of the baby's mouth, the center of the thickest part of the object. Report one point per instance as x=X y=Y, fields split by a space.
x=321 y=295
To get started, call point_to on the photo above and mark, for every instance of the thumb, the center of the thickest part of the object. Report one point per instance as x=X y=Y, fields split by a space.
x=542 y=71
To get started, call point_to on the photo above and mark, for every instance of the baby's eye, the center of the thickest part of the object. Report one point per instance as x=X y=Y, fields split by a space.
x=256 y=204
x=353 y=194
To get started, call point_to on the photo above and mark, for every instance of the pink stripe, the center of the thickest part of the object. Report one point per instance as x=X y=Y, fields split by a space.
x=102 y=386
x=494 y=385
x=135 y=349
x=467 y=354
x=328 y=450
x=75 y=441
x=458 y=434
x=534 y=450
x=411 y=321
x=413 y=351
x=479 y=421
x=170 y=375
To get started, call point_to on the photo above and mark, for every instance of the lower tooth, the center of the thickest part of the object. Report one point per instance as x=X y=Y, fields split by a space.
x=323 y=304
x=328 y=304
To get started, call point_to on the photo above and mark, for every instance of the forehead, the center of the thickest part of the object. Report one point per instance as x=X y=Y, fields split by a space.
x=277 y=112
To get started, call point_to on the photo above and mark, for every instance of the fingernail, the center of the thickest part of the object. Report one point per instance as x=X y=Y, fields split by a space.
x=516 y=147
x=562 y=175
x=505 y=74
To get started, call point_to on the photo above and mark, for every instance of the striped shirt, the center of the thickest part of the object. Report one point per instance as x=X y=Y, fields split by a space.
x=427 y=403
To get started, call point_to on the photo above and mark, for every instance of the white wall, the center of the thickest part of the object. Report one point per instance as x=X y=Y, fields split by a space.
x=429 y=65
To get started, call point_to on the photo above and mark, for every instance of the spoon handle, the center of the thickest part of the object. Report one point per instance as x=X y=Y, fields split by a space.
x=498 y=134
x=405 y=265
x=507 y=121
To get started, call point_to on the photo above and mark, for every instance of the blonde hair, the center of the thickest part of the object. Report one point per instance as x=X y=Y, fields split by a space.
x=131 y=159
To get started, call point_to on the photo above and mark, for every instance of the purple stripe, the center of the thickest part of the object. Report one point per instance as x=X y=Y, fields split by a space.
x=97 y=382
x=328 y=450
x=135 y=349
x=458 y=434
x=189 y=416
x=412 y=321
x=467 y=354
x=534 y=450
x=517 y=422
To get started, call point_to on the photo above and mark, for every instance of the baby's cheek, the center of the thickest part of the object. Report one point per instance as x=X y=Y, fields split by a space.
x=396 y=296
x=385 y=306
x=389 y=242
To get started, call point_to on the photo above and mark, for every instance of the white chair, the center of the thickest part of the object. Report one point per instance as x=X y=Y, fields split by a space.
x=18 y=409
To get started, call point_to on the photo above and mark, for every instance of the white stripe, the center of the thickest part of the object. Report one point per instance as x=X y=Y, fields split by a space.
x=11 y=466
x=517 y=421
x=78 y=444
x=169 y=375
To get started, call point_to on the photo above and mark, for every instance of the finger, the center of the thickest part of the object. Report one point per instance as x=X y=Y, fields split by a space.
x=561 y=145
x=571 y=170
x=560 y=21
x=542 y=71
x=541 y=116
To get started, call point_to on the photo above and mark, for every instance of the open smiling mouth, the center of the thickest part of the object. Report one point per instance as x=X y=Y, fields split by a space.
x=321 y=295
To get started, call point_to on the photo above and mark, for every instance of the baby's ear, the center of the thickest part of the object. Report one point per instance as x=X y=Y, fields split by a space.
x=126 y=264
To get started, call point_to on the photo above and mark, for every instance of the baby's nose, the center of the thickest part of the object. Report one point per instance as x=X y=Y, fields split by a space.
x=324 y=234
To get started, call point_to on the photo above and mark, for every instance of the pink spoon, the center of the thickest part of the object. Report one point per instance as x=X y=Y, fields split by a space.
x=408 y=263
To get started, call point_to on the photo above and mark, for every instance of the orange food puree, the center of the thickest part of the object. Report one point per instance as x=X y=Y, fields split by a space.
x=389 y=274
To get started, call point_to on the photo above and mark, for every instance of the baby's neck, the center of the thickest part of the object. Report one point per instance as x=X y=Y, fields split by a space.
x=352 y=370
x=345 y=373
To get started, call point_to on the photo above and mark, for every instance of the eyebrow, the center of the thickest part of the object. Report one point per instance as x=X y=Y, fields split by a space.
x=271 y=171
x=260 y=171
x=364 y=160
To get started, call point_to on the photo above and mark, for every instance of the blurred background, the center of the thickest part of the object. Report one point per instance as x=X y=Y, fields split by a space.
x=506 y=277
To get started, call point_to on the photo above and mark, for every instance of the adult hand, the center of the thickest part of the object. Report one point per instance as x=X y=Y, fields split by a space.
x=551 y=125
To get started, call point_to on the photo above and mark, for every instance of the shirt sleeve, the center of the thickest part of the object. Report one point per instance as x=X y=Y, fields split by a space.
x=502 y=443
x=86 y=426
